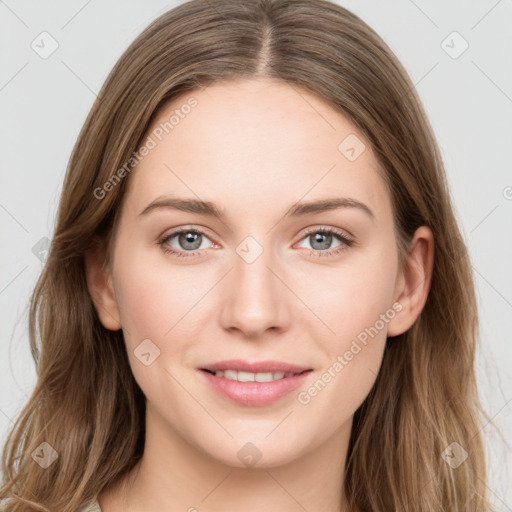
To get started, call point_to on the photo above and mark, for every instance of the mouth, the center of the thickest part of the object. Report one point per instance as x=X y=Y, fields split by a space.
x=241 y=376
x=254 y=384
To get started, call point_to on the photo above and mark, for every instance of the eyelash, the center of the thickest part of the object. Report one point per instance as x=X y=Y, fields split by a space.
x=340 y=235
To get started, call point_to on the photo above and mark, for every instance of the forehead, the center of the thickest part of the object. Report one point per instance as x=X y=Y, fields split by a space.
x=247 y=140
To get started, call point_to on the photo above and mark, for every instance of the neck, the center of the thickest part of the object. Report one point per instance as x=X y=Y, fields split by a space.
x=174 y=476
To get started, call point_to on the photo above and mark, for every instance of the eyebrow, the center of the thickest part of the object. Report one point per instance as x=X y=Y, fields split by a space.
x=296 y=210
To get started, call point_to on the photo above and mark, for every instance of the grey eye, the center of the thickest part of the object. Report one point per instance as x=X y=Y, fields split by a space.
x=321 y=241
x=187 y=240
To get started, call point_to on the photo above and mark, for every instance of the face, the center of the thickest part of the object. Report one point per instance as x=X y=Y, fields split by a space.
x=266 y=285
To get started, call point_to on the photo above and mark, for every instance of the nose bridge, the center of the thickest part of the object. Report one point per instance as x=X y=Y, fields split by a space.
x=255 y=301
x=252 y=267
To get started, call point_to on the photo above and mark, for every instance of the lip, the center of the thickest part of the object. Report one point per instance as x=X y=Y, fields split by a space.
x=255 y=394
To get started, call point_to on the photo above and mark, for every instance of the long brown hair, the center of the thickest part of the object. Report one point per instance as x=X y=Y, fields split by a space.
x=86 y=404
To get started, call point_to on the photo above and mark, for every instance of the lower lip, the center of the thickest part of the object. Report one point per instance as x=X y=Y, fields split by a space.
x=254 y=393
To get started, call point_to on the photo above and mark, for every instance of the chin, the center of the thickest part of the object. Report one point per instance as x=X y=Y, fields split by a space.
x=256 y=454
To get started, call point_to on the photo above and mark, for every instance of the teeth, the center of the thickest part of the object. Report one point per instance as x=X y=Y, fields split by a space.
x=253 y=377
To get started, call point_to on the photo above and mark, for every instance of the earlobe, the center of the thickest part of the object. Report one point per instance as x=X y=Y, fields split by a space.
x=413 y=283
x=101 y=289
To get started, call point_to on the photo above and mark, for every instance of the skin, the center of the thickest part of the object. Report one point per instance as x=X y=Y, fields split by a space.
x=255 y=148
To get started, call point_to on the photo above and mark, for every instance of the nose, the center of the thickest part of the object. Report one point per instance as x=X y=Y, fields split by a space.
x=256 y=299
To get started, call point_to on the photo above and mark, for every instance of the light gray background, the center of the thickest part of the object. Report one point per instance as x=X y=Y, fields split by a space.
x=44 y=103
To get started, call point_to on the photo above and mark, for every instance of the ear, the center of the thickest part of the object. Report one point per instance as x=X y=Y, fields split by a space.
x=413 y=281
x=101 y=289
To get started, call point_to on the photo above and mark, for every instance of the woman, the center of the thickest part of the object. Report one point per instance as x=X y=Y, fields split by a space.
x=257 y=295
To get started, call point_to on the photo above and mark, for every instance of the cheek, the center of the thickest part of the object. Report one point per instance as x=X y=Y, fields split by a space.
x=358 y=309
x=163 y=304
x=347 y=300
x=152 y=295
x=353 y=307
x=150 y=304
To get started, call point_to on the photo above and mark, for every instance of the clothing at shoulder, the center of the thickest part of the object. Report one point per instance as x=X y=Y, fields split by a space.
x=92 y=506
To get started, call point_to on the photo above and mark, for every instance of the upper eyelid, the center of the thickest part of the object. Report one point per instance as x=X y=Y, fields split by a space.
x=337 y=231
x=177 y=231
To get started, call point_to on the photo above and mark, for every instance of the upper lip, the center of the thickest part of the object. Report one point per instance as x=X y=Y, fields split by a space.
x=255 y=367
